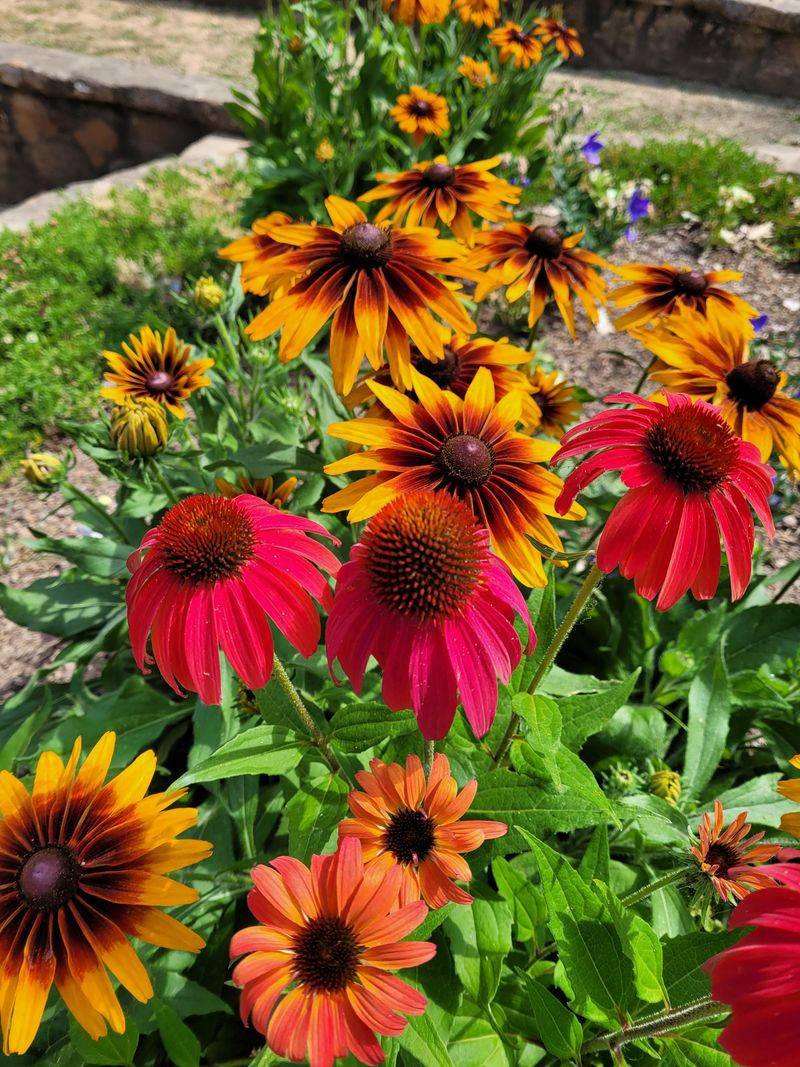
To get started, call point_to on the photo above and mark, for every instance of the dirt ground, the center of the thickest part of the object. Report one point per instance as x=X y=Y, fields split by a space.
x=198 y=40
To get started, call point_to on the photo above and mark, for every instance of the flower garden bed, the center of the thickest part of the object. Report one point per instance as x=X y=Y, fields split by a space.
x=474 y=687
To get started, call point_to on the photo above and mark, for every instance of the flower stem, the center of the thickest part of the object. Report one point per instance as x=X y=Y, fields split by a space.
x=227 y=341
x=582 y=597
x=303 y=714
x=98 y=510
x=429 y=750
x=787 y=585
x=653 y=887
x=658 y=1025
x=162 y=481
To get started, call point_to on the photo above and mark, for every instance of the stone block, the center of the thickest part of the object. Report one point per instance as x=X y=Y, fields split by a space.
x=58 y=162
x=33 y=117
x=99 y=139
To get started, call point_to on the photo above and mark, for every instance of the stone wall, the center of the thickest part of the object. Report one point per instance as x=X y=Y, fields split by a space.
x=751 y=45
x=67 y=118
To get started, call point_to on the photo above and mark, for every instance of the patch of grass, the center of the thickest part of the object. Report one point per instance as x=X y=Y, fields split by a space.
x=90 y=276
x=688 y=175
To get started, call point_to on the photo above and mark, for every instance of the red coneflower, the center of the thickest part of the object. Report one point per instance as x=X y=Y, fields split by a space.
x=689 y=477
x=82 y=866
x=333 y=933
x=729 y=857
x=210 y=575
x=419 y=824
x=425 y=596
x=759 y=976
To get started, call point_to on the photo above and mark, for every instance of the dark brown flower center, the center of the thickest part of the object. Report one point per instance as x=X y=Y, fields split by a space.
x=544 y=403
x=366 y=245
x=326 y=955
x=753 y=384
x=49 y=878
x=692 y=282
x=438 y=175
x=519 y=37
x=159 y=382
x=443 y=371
x=409 y=836
x=545 y=242
x=466 y=459
x=423 y=109
x=723 y=857
x=422 y=556
x=693 y=447
x=206 y=538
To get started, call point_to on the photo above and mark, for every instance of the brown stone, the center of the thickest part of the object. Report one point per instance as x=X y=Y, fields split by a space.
x=32 y=117
x=99 y=140
x=150 y=135
x=58 y=162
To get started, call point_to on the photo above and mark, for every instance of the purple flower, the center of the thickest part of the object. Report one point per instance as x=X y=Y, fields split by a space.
x=524 y=182
x=591 y=149
x=631 y=234
x=759 y=323
x=638 y=206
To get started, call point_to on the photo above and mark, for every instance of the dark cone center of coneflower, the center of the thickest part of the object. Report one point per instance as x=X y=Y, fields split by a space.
x=49 y=878
x=692 y=282
x=519 y=36
x=753 y=384
x=543 y=403
x=444 y=371
x=409 y=836
x=206 y=538
x=466 y=459
x=438 y=175
x=423 y=109
x=365 y=245
x=723 y=857
x=545 y=242
x=422 y=556
x=326 y=955
x=160 y=381
x=693 y=447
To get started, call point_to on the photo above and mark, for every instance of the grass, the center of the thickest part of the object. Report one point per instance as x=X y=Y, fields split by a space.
x=687 y=176
x=89 y=277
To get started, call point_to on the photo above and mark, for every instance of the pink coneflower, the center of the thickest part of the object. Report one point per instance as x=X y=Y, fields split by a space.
x=689 y=478
x=208 y=576
x=426 y=597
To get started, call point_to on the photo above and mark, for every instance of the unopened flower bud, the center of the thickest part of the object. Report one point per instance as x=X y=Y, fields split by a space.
x=139 y=429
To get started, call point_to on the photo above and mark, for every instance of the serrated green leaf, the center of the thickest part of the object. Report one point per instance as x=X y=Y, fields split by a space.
x=473 y=1041
x=684 y=957
x=641 y=945
x=421 y=1040
x=584 y=714
x=707 y=726
x=554 y=1024
x=596 y=859
x=359 y=727
x=259 y=750
x=113 y=1050
x=768 y=634
x=694 y=1048
x=543 y=720
x=480 y=939
x=525 y=900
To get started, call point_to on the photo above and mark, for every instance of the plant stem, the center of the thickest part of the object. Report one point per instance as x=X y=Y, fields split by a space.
x=787 y=585
x=653 y=887
x=429 y=750
x=658 y=1025
x=162 y=481
x=98 y=510
x=302 y=712
x=582 y=597
x=227 y=340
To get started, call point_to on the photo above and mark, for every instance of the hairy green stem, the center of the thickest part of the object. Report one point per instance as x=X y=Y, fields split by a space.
x=646 y=891
x=429 y=751
x=576 y=608
x=227 y=340
x=303 y=714
x=171 y=495
x=658 y=1025
x=787 y=585
x=98 y=510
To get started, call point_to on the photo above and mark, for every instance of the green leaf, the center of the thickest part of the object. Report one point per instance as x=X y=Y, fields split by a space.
x=525 y=900
x=181 y=1045
x=21 y=737
x=671 y=917
x=480 y=939
x=596 y=966
x=557 y=1027
x=64 y=605
x=596 y=859
x=421 y=1040
x=584 y=714
x=707 y=728
x=114 y=1050
x=97 y=556
x=314 y=813
x=542 y=607
x=359 y=727
x=543 y=719
x=655 y=818
x=694 y=1048
x=634 y=730
x=641 y=945
x=763 y=635
x=473 y=1041
x=683 y=959
x=758 y=797
x=259 y=750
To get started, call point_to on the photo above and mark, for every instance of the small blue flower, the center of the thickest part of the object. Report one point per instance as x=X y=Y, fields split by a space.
x=759 y=323
x=638 y=206
x=632 y=235
x=591 y=149
x=524 y=182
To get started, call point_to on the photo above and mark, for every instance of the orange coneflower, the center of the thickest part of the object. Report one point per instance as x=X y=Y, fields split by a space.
x=463 y=358
x=378 y=283
x=422 y=11
x=657 y=290
x=477 y=71
x=467 y=447
x=478 y=12
x=729 y=857
x=550 y=406
x=418 y=823
x=512 y=42
x=162 y=370
x=434 y=192
x=264 y=488
x=333 y=933
x=421 y=114
x=708 y=356
x=544 y=263
x=558 y=33
x=256 y=252
x=83 y=864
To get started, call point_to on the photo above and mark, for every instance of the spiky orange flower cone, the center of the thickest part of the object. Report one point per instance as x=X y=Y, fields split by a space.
x=82 y=866
x=418 y=822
